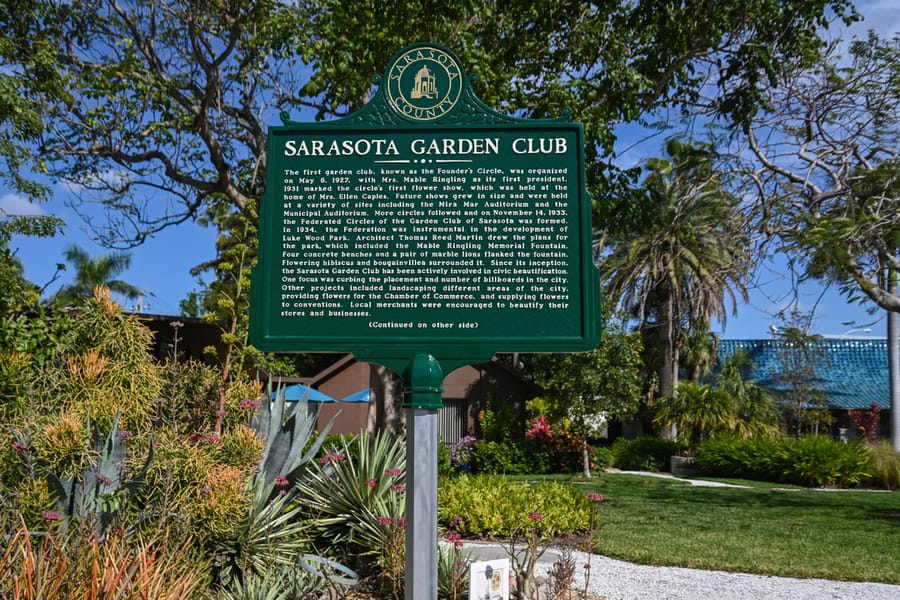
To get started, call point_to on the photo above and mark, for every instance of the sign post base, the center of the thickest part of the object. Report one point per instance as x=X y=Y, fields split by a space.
x=423 y=380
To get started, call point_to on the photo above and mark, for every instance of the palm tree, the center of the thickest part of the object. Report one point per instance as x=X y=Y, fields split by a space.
x=687 y=249
x=697 y=349
x=93 y=272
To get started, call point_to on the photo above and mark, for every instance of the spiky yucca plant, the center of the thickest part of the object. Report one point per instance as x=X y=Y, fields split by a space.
x=357 y=503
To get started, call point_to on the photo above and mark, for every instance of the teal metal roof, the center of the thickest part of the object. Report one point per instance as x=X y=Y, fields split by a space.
x=852 y=373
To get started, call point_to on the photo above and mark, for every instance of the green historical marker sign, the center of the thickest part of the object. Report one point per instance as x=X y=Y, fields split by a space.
x=425 y=223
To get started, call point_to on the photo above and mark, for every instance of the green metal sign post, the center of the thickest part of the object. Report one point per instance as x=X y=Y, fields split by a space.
x=425 y=230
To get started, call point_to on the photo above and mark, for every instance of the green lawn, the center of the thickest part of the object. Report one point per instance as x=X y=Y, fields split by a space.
x=846 y=535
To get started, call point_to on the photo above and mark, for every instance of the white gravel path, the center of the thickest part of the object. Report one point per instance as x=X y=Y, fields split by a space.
x=618 y=580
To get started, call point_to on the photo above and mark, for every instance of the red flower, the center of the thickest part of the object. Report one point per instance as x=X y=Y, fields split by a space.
x=51 y=516
x=371 y=482
x=535 y=516
x=594 y=496
x=281 y=481
x=399 y=487
x=384 y=520
x=393 y=472
x=453 y=537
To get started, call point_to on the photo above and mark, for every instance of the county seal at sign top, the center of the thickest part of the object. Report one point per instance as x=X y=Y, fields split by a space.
x=424 y=83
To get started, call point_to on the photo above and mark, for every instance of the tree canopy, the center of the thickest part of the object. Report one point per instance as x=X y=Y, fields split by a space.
x=827 y=169
x=166 y=103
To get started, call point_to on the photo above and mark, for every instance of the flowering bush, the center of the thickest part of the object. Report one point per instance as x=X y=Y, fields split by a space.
x=561 y=446
x=461 y=453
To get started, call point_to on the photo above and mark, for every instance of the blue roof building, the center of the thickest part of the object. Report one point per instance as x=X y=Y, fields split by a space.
x=852 y=373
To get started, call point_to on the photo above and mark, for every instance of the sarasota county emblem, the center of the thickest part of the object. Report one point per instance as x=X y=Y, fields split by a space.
x=424 y=83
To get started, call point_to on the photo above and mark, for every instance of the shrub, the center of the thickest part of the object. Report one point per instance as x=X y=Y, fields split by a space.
x=461 y=453
x=644 y=453
x=601 y=457
x=808 y=461
x=491 y=506
x=76 y=564
x=354 y=497
x=884 y=463
x=556 y=449
x=500 y=458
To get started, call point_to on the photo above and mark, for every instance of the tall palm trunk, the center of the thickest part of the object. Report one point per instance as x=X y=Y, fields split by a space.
x=666 y=364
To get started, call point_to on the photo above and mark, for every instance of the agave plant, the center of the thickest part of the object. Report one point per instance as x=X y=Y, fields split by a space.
x=273 y=533
x=100 y=492
x=287 y=430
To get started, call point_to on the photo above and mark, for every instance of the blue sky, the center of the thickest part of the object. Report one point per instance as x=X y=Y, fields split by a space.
x=161 y=266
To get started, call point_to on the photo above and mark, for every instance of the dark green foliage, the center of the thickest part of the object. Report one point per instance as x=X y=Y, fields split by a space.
x=492 y=506
x=809 y=461
x=602 y=457
x=644 y=453
x=504 y=458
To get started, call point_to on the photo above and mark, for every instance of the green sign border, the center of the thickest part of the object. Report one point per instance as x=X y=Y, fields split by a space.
x=457 y=110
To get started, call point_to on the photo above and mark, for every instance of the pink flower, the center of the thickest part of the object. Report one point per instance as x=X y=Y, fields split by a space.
x=254 y=404
x=19 y=446
x=331 y=457
x=371 y=482
x=587 y=567
x=535 y=516
x=455 y=522
x=51 y=516
x=123 y=435
x=384 y=521
x=393 y=472
x=453 y=537
x=104 y=480
x=399 y=487
x=222 y=413
x=594 y=496
x=281 y=481
x=403 y=523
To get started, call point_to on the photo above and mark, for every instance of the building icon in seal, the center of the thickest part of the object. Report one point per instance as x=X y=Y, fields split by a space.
x=424 y=85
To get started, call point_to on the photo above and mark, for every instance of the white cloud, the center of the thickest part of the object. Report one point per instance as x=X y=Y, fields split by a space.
x=12 y=205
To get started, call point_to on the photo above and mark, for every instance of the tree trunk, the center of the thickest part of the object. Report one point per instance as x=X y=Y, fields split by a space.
x=585 y=457
x=666 y=367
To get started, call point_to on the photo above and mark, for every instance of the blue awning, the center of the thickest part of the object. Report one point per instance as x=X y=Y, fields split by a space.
x=296 y=392
x=362 y=395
